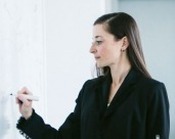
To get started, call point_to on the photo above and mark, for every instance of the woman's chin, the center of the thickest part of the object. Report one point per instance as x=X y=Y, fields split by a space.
x=100 y=65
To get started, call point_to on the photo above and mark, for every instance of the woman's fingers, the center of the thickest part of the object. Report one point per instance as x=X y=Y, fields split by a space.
x=24 y=90
x=25 y=105
x=22 y=96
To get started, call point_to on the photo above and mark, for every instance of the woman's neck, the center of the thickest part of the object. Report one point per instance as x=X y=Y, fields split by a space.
x=118 y=73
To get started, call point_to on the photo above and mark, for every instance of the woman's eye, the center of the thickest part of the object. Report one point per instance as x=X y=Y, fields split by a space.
x=98 y=42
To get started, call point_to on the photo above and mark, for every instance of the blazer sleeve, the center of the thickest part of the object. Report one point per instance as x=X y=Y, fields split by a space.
x=35 y=128
x=158 y=120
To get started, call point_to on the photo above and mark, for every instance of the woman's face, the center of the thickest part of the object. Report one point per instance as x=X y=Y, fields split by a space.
x=106 y=49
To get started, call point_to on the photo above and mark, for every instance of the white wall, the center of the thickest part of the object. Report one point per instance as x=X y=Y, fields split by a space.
x=22 y=59
x=156 y=20
x=69 y=63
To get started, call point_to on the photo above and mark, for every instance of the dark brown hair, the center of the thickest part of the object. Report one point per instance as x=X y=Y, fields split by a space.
x=121 y=24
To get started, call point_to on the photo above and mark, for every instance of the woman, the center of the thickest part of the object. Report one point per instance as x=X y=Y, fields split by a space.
x=123 y=102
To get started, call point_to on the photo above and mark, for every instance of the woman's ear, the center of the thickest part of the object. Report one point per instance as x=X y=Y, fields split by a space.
x=125 y=43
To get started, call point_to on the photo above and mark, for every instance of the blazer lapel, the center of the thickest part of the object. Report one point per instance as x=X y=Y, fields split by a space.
x=124 y=91
x=102 y=92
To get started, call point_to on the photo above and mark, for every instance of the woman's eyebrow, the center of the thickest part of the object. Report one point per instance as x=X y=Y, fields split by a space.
x=98 y=37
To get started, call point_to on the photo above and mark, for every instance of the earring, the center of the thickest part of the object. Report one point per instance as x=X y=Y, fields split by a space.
x=122 y=50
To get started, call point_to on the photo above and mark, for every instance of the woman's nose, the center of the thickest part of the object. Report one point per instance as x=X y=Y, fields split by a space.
x=92 y=49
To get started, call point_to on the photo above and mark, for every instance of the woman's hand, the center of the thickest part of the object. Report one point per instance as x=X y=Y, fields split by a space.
x=25 y=105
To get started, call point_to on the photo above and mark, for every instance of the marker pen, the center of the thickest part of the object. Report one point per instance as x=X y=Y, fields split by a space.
x=29 y=97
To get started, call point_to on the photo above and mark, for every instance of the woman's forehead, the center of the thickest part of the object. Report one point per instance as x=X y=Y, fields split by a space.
x=99 y=31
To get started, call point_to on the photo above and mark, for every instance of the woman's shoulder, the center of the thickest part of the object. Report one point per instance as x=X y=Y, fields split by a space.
x=91 y=84
x=150 y=83
x=94 y=81
x=143 y=81
x=150 y=88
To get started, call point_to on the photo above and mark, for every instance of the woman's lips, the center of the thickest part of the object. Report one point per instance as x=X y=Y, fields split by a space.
x=97 y=57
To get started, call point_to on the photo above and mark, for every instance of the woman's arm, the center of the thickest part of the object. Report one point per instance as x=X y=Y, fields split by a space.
x=31 y=125
x=158 y=120
x=35 y=128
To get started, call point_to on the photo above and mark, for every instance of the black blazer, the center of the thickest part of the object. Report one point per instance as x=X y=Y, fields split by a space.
x=139 y=110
